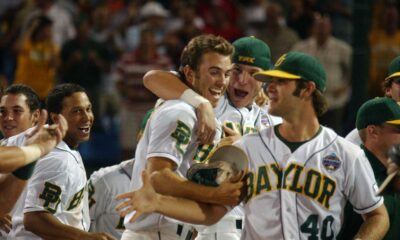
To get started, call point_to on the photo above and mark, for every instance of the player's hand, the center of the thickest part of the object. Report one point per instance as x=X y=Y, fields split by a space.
x=392 y=167
x=229 y=192
x=46 y=138
x=142 y=201
x=5 y=223
x=231 y=137
x=99 y=236
x=206 y=128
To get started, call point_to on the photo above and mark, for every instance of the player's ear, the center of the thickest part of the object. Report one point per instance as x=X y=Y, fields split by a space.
x=35 y=116
x=309 y=89
x=189 y=74
x=52 y=118
x=372 y=132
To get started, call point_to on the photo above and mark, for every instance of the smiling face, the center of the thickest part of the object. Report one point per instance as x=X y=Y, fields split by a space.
x=77 y=110
x=281 y=101
x=212 y=77
x=15 y=115
x=243 y=88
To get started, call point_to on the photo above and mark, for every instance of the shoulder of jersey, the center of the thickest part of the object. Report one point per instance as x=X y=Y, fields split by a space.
x=60 y=156
x=109 y=172
x=172 y=106
x=345 y=145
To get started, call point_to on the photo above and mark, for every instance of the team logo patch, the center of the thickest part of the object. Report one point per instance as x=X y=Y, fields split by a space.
x=265 y=120
x=331 y=162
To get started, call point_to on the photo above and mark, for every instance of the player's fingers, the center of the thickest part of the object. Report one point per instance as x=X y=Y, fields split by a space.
x=61 y=122
x=123 y=205
x=126 y=211
x=238 y=177
x=230 y=132
x=41 y=121
x=124 y=196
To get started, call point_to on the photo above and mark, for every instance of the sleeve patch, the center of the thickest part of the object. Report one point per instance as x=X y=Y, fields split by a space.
x=182 y=135
x=52 y=196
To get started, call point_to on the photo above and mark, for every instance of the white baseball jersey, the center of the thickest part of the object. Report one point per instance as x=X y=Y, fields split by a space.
x=103 y=186
x=58 y=186
x=170 y=133
x=243 y=120
x=301 y=195
x=354 y=137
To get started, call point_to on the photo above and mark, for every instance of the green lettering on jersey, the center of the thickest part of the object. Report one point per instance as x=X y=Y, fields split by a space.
x=278 y=173
x=249 y=179
x=76 y=199
x=120 y=225
x=310 y=227
x=312 y=184
x=182 y=134
x=286 y=173
x=249 y=129
x=262 y=180
x=203 y=152
x=91 y=191
x=52 y=196
x=295 y=181
x=328 y=189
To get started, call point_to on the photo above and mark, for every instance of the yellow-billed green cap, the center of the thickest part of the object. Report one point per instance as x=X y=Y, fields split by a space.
x=394 y=68
x=377 y=111
x=296 y=65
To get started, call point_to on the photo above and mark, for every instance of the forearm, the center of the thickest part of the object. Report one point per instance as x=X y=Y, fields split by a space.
x=13 y=158
x=375 y=226
x=46 y=226
x=164 y=84
x=190 y=211
x=166 y=182
x=10 y=190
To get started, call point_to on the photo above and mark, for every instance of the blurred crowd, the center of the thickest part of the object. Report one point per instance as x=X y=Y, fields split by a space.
x=107 y=46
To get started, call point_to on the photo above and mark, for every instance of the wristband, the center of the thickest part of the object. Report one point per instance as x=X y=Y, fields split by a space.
x=192 y=98
x=31 y=152
x=25 y=172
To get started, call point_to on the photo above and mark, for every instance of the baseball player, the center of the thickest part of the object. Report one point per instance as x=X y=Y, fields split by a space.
x=169 y=144
x=300 y=173
x=54 y=204
x=19 y=110
x=378 y=132
x=236 y=110
x=104 y=185
x=391 y=88
x=21 y=160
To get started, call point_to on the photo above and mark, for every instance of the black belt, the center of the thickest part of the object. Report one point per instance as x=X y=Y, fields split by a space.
x=239 y=223
x=179 y=232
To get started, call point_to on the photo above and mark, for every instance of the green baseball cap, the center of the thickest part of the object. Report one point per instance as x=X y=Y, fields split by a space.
x=296 y=65
x=394 y=68
x=252 y=51
x=377 y=111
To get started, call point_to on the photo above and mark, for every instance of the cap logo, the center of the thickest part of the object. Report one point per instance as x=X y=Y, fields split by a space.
x=246 y=59
x=280 y=60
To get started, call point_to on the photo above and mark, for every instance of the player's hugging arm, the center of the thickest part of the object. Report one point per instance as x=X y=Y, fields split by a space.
x=169 y=86
x=147 y=200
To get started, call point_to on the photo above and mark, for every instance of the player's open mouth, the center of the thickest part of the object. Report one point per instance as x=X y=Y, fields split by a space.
x=8 y=127
x=240 y=93
x=216 y=93
x=85 y=129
